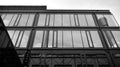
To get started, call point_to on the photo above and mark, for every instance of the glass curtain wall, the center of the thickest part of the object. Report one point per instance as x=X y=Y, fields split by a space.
x=60 y=38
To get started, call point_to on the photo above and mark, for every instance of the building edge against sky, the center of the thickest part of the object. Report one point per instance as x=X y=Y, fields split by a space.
x=58 y=38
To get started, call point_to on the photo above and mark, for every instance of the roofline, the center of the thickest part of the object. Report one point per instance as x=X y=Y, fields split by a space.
x=43 y=9
x=22 y=7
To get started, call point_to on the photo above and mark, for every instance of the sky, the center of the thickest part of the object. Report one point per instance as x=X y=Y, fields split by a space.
x=112 y=5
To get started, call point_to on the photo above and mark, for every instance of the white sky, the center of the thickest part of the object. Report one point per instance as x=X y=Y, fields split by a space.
x=112 y=5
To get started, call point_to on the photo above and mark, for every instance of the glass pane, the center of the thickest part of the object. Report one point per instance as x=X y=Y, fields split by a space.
x=67 y=39
x=19 y=39
x=31 y=19
x=116 y=35
x=15 y=37
x=77 y=39
x=58 y=20
x=111 y=21
x=17 y=19
x=25 y=39
x=89 y=39
x=90 y=20
x=82 y=20
x=45 y=39
x=8 y=19
x=55 y=39
x=3 y=16
x=38 y=39
x=60 y=37
x=72 y=21
x=110 y=39
x=13 y=20
x=96 y=39
x=66 y=20
x=52 y=18
x=42 y=18
x=84 y=38
x=23 y=20
x=50 y=42
x=76 y=20
x=10 y=32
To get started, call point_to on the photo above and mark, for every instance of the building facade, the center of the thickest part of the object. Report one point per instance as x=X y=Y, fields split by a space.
x=32 y=36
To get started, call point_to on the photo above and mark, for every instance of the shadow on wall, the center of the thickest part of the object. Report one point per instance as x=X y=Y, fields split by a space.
x=8 y=54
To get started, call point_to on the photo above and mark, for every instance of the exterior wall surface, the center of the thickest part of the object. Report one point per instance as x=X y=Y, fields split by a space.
x=58 y=38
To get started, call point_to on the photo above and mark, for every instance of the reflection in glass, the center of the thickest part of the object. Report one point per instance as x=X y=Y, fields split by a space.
x=82 y=20
x=110 y=39
x=116 y=35
x=96 y=39
x=58 y=20
x=67 y=39
x=109 y=19
x=38 y=39
x=18 y=19
x=42 y=18
x=19 y=38
x=66 y=20
x=25 y=39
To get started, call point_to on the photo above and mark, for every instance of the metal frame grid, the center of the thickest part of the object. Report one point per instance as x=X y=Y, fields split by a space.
x=28 y=53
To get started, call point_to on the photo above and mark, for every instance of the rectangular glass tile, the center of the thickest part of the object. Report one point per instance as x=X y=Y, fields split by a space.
x=58 y=20
x=77 y=39
x=15 y=37
x=30 y=20
x=60 y=39
x=42 y=18
x=67 y=39
x=96 y=39
x=23 y=20
x=82 y=20
x=38 y=39
x=50 y=42
x=13 y=20
x=90 y=20
x=84 y=38
x=19 y=39
x=10 y=32
x=72 y=20
x=116 y=35
x=52 y=19
x=110 y=39
x=25 y=39
x=8 y=19
x=89 y=39
x=66 y=20
x=55 y=39
x=111 y=21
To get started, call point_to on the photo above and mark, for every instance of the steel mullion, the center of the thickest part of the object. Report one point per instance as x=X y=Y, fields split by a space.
x=21 y=38
x=82 y=39
x=87 y=39
x=91 y=39
x=114 y=39
x=17 y=20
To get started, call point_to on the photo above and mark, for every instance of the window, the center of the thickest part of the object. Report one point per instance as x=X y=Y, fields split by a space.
x=65 y=20
x=107 y=19
x=19 y=37
x=112 y=38
x=18 y=19
x=67 y=39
